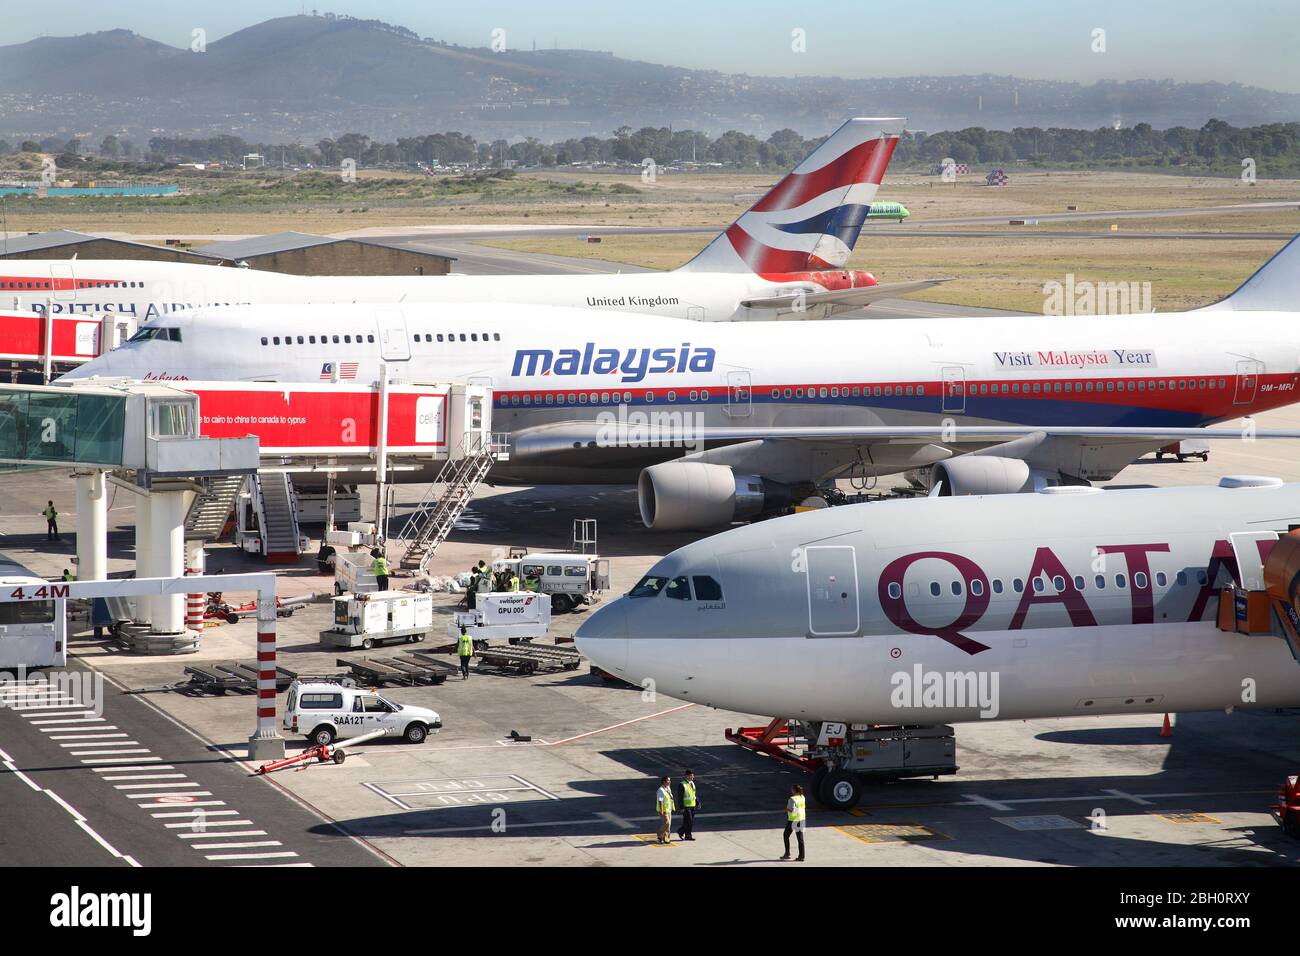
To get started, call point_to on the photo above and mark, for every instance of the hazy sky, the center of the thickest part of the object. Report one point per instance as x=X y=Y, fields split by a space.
x=1251 y=41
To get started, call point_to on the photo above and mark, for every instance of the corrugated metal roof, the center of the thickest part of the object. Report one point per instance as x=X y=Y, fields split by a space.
x=264 y=245
x=63 y=237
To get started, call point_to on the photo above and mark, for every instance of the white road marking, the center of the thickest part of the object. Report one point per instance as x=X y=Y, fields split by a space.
x=116 y=738
x=240 y=846
x=1141 y=801
x=615 y=819
x=70 y=730
x=170 y=793
x=197 y=803
x=248 y=856
x=65 y=720
x=108 y=750
x=120 y=760
x=269 y=865
x=975 y=798
x=224 y=835
x=152 y=786
x=198 y=820
x=161 y=766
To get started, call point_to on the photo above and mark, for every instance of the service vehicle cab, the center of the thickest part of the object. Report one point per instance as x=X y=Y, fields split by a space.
x=32 y=633
x=323 y=711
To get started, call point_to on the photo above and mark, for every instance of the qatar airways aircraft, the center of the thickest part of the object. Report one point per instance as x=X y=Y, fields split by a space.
x=784 y=257
x=724 y=421
x=937 y=610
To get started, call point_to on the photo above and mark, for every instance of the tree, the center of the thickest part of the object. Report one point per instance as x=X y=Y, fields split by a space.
x=110 y=147
x=29 y=146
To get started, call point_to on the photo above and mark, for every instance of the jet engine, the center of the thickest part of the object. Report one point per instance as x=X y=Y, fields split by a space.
x=680 y=495
x=990 y=475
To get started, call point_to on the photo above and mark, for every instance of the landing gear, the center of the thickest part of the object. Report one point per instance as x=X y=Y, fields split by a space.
x=840 y=790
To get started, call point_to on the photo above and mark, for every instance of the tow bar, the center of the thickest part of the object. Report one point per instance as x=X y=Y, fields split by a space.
x=320 y=753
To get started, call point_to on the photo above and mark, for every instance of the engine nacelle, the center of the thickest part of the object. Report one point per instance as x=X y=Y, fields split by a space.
x=989 y=475
x=681 y=495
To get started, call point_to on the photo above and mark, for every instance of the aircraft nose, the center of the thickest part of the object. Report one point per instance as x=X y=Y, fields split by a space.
x=603 y=637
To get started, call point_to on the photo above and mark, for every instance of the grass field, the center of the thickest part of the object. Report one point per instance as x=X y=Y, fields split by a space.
x=999 y=273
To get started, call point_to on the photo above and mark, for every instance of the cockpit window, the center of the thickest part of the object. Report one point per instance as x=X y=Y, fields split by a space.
x=706 y=589
x=648 y=586
x=153 y=332
x=679 y=589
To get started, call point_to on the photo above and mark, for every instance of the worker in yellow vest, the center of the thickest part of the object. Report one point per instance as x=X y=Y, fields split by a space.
x=465 y=649
x=379 y=568
x=690 y=802
x=51 y=522
x=68 y=575
x=664 y=807
x=796 y=814
x=514 y=581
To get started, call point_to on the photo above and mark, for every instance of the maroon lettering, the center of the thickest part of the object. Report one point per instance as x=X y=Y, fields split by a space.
x=972 y=610
x=1135 y=556
x=1046 y=562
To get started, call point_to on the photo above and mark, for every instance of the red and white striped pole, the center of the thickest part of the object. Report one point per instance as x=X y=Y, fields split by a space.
x=195 y=604
x=266 y=743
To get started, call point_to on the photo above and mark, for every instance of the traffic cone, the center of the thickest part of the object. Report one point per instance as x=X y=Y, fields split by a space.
x=1166 y=730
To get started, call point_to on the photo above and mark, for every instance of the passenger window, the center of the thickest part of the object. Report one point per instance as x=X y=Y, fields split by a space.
x=1181 y=578
x=1140 y=581
x=934 y=588
x=1161 y=579
x=347 y=339
x=679 y=589
x=1058 y=582
x=706 y=589
x=554 y=570
x=1100 y=581
x=997 y=585
x=1039 y=586
x=276 y=340
x=956 y=587
x=1120 y=581
x=895 y=590
x=1017 y=585
x=1078 y=582
x=377 y=705
x=977 y=588
x=264 y=340
x=575 y=571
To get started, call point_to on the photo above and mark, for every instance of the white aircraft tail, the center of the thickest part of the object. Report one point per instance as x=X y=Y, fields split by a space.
x=809 y=220
x=1274 y=286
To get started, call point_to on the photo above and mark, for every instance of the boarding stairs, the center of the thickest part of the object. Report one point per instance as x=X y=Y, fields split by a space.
x=277 y=515
x=210 y=510
x=448 y=497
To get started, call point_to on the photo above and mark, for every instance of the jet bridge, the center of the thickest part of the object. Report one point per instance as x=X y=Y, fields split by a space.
x=142 y=437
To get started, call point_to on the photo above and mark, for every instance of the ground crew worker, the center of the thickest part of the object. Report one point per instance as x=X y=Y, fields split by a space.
x=690 y=802
x=51 y=522
x=465 y=648
x=514 y=582
x=532 y=583
x=379 y=567
x=68 y=575
x=796 y=814
x=471 y=592
x=664 y=807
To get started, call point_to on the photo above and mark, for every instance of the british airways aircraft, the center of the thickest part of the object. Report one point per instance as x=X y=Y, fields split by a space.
x=785 y=257
x=1069 y=602
x=718 y=422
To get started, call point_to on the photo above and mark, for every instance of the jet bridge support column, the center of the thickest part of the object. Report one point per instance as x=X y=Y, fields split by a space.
x=92 y=527
x=167 y=544
x=143 y=552
x=266 y=742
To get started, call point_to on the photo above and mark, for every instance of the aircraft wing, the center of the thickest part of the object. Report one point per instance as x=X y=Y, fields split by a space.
x=616 y=434
x=798 y=303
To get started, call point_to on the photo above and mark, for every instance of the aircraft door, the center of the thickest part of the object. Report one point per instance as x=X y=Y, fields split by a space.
x=394 y=344
x=62 y=281
x=954 y=389
x=695 y=313
x=1248 y=373
x=832 y=590
x=739 y=393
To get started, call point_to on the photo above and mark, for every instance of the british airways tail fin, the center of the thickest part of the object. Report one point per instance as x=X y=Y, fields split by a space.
x=1275 y=286
x=811 y=218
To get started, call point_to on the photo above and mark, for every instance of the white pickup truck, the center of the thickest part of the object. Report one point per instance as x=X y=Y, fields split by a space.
x=324 y=712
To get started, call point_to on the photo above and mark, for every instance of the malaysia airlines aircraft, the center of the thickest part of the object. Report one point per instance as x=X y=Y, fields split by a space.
x=783 y=257
x=937 y=610
x=724 y=421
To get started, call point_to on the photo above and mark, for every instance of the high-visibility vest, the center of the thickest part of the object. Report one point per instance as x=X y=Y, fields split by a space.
x=514 y=582
x=664 y=801
x=465 y=645
x=69 y=576
x=379 y=567
x=50 y=513
x=688 y=793
x=794 y=810
x=531 y=584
